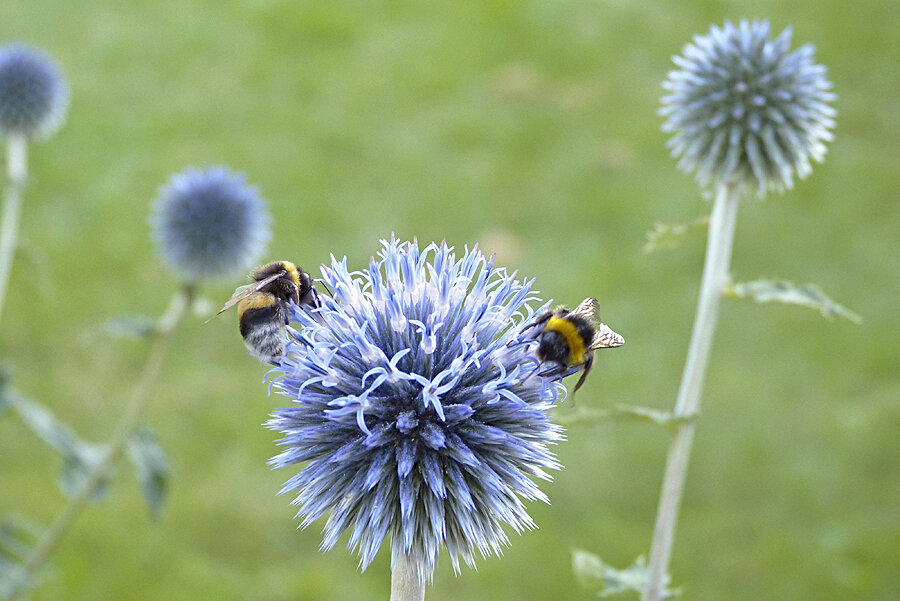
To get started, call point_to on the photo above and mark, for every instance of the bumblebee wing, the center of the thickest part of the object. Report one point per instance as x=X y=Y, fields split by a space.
x=589 y=308
x=604 y=337
x=242 y=292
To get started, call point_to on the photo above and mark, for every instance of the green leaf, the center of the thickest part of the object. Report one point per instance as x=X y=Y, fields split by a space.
x=42 y=422
x=79 y=457
x=152 y=468
x=583 y=416
x=592 y=572
x=6 y=393
x=77 y=467
x=667 y=419
x=134 y=327
x=10 y=578
x=17 y=537
x=807 y=295
x=670 y=235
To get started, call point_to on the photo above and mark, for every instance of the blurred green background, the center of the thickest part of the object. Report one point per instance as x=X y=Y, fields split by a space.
x=530 y=128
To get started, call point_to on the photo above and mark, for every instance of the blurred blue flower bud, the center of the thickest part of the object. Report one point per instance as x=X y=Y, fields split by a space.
x=34 y=97
x=209 y=223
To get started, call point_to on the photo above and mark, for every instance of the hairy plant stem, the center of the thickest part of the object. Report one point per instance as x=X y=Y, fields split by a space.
x=715 y=277
x=17 y=174
x=406 y=582
x=114 y=448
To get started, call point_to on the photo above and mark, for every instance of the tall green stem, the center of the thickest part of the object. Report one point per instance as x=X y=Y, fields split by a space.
x=715 y=277
x=17 y=174
x=406 y=582
x=114 y=448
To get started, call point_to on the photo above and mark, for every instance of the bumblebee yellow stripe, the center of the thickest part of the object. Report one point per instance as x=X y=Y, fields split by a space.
x=258 y=300
x=573 y=339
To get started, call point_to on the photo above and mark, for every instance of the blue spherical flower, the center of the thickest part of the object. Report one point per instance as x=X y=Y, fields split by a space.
x=417 y=410
x=34 y=97
x=208 y=223
x=745 y=108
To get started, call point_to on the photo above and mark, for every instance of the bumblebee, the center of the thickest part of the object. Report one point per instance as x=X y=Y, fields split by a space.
x=568 y=338
x=264 y=307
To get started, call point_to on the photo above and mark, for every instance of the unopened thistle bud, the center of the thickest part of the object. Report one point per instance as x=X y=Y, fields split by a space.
x=209 y=223
x=34 y=97
x=744 y=108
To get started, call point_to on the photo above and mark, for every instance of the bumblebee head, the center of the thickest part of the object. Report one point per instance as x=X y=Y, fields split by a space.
x=284 y=280
x=306 y=291
x=561 y=312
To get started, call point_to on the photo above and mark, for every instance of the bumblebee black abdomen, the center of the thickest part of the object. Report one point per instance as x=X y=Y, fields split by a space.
x=252 y=317
x=262 y=322
x=266 y=342
x=553 y=348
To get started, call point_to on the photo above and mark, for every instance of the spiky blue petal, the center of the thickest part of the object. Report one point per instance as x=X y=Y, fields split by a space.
x=209 y=223
x=744 y=108
x=416 y=415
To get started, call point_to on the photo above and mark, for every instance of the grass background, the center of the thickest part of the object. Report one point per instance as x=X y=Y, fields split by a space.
x=530 y=128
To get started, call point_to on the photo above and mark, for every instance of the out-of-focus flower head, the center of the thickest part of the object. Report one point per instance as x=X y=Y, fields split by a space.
x=34 y=97
x=209 y=223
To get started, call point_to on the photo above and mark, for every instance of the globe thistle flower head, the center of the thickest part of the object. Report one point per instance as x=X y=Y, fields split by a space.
x=745 y=108
x=34 y=97
x=416 y=413
x=209 y=223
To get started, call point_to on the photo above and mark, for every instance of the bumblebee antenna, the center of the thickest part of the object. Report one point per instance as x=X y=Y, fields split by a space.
x=324 y=285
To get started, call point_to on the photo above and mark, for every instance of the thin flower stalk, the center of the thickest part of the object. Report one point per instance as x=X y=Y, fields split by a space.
x=406 y=584
x=715 y=277
x=17 y=174
x=34 y=100
x=114 y=448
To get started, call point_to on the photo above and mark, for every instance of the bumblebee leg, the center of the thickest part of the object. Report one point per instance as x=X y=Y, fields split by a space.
x=327 y=288
x=310 y=298
x=589 y=362
x=556 y=370
x=284 y=311
x=541 y=319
